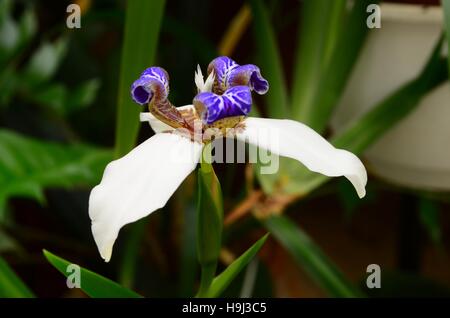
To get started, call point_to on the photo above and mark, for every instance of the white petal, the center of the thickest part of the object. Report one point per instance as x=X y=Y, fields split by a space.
x=295 y=140
x=203 y=86
x=198 y=79
x=157 y=125
x=138 y=184
x=209 y=83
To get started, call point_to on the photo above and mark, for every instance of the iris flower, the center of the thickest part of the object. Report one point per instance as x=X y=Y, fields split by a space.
x=142 y=181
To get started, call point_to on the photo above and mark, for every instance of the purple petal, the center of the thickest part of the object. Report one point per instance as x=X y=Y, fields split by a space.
x=236 y=101
x=248 y=75
x=222 y=66
x=154 y=81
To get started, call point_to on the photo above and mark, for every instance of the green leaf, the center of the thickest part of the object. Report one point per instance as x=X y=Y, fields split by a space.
x=44 y=62
x=270 y=60
x=83 y=95
x=391 y=110
x=15 y=36
x=321 y=21
x=446 y=7
x=325 y=67
x=11 y=286
x=66 y=101
x=27 y=26
x=53 y=97
x=9 y=32
x=429 y=216
x=222 y=281
x=28 y=165
x=9 y=81
x=209 y=220
x=309 y=256
x=92 y=284
x=142 y=25
x=8 y=243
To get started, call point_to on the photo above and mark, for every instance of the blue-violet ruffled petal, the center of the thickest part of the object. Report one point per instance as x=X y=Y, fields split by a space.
x=153 y=81
x=211 y=107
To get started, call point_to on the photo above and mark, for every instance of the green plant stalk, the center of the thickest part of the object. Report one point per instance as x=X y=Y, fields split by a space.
x=338 y=12
x=309 y=256
x=430 y=217
x=331 y=70
x=11 y=286
x=446 y=7
x=209 y=221
x=270 y=60
x=337 y=71
x=207 y=275
x=236 y=28
x=224 y=279
x=142 y=25
x=317 y=32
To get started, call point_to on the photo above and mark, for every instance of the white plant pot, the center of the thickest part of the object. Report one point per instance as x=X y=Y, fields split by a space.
x=416 y=152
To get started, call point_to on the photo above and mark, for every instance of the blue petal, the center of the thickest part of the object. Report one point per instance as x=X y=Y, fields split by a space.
x=222 y=66
x=248 y=75
x=154 y=81
x=211 y=107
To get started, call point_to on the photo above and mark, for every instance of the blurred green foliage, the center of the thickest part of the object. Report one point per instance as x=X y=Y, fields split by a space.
x=11 y=286
x=52 y=165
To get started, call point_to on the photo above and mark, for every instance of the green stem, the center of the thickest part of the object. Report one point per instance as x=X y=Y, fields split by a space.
x=209 y=222
x=207 y=276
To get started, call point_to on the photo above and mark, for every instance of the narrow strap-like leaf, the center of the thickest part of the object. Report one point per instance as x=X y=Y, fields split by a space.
x=327 y=68
x=309 y=256
x=222 y=281
x=270 y=61
x=94 y=285
x=11 y=286
x=321 y=22
x=142 y=25
x=446 y=7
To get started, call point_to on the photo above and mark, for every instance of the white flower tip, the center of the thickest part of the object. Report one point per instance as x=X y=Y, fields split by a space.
x=104 y=234
x=198 y=78
x=352 y=168
x=203 y=86
x=359 y=177
x=209 y=82
x=106 y=253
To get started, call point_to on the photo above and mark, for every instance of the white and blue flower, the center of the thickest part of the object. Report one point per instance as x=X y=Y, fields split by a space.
x=142 y=181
